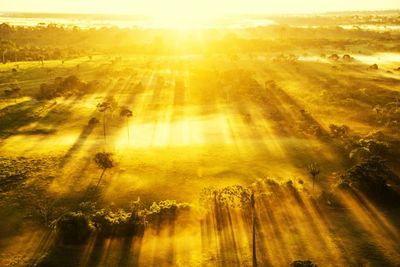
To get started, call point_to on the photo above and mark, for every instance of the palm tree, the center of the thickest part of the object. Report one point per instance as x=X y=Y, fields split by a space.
x=126 y=113
x=103 y=161
x=103 y=107
x=313 y=170
x=113 y=105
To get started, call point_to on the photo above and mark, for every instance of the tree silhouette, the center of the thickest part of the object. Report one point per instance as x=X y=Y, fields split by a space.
x=113 y=105
x=253 y=212
x=103 y=161
x=15 y=50
x=5 y=47
x=126 y=113
x=235 y=196
x=93 y=121
x=16 y=89
x=313 y=170
x=41 y=59
x=103 y=107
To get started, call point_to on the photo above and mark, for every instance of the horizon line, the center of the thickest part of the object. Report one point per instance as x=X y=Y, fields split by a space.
x=222 y=15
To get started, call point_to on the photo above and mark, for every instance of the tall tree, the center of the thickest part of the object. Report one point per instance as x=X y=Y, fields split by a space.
x=126 y=113
x=5 y=47
x=16 y=90
x=104 y=161
x=314 y=171
x=103 y=107
x=41 y=59
x=254 y=218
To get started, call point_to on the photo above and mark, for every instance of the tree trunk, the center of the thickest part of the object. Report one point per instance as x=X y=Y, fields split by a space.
x=127 y=127
x=313 y=182
x=101 y=176
x=253 y=211
x=104 y=127
x=4 y=56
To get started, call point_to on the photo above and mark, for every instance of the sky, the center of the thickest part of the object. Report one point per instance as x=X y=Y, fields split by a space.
x=194 y=7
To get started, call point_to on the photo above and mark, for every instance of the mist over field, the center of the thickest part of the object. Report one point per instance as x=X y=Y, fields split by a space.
x=183 y=138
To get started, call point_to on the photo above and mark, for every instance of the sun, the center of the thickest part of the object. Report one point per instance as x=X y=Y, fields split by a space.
x=184 y=14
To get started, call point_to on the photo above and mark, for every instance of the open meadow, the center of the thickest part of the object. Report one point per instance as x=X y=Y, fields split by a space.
x=249 y=145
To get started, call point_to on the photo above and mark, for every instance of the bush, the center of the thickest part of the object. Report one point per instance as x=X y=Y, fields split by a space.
x=306 y=263
x=339 y=131
x=330 y=199
x=334 y=57
x=70 y=85
x=370 y=177
x=364 y=148
x=117 y=222
x=73 y=228
x=166 y=210
x=373 y=67
x=93 y=121
x=104 y=160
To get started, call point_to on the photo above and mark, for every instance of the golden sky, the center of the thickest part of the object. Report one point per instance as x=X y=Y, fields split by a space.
x=194 y=7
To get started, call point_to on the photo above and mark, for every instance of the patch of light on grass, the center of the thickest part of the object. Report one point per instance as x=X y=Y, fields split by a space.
x=379 y=58
x=189 y=131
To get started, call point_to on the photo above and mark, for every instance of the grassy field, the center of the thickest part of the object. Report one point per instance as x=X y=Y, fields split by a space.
x=199 y=121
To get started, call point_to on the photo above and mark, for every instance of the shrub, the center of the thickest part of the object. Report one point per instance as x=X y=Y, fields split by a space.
x=347 y=58
x=70 y=85
x=93 y=121
x=46 y=91
x=166 y=210
x=339 y=131
x=73 y=228
x=329 y=198
x=373 y=67
x=230 y=196
x=334 y=57
x=7 y=93
x=115 y=222
x=306 y=263
x=370 y=177
x=104 y=160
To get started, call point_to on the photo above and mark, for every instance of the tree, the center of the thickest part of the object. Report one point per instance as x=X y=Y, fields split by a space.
x=15 y=50
x=235 y=196
x=5 y=47
x=73 y=228
x=103 y=161
x=93 y=121
x=16 y=89
x=334 y=57
x=41 y=59
x=338 y=131
x=372 y=178
x=303 y=263
x=113 y=105
x=103 y=107
x=253 y=212
x=126 y=113
x=313 y=170
x=44 y=207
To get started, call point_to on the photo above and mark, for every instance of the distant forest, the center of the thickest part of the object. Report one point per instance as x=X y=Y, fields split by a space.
x=55 y=42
